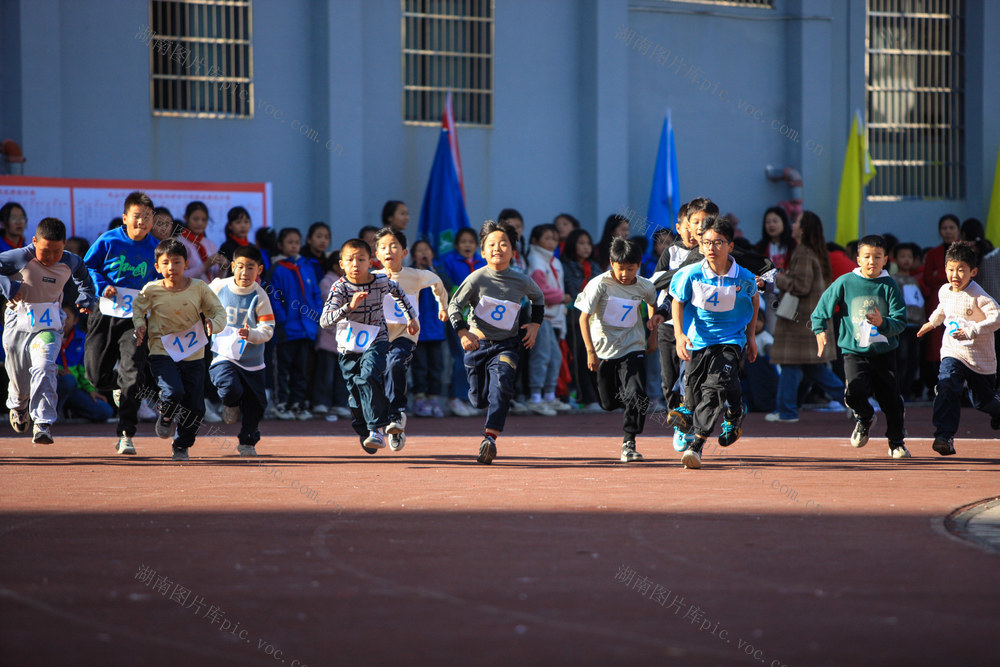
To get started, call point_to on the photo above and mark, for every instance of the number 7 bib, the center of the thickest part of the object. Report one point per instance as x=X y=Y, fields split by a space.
x=621 y=312
x=182 y=345
x=716 y=298
x=501 y=314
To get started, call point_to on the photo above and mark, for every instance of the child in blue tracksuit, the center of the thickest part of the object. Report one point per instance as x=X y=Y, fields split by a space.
x=458 y=264
x=296 y=302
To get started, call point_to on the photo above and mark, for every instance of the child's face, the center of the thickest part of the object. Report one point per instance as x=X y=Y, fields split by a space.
x=197 y=222
x=948 y=231
x=240 y=227
x=171 y=267
x=684 y=231
x=518 y=226
x=716 y=247
x=773 y=226
x=871 y=261
x=959 y=275
x=356 y=263
x=16 y=223
x=660 y=245
x=390 y=253
x=904 y=259
x=137 y=222
x=423 y=256
x=624 y=273
x=694 y=225
x=319 y=240
x=548 y=240
x=497 y=251
x=246 y=271
x=48 y=252
x=564 y=226
x=369 y=238
x=291 y=245
x=621 y=231
x=163 y=225
x=584 y=248
x=466 y=245
x=400 y=218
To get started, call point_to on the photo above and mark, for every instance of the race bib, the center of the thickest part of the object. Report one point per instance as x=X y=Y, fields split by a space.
x=182 y=345
x=912 y=296
x=355 y=336
x=716 y=298
x=228 y=344
x=620 y=312
x=121 y=304
x=501 y=314
x=39 y=316
x=394 y=313
x=954 y=326
x=868 y=334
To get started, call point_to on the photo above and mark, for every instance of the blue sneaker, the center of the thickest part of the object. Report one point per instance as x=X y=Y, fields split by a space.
x=731 y=430
x=681 y=418
x=682 y=440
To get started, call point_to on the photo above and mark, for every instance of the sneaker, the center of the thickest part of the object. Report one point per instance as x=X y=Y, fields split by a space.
x=519 y=408
x=732 y=429
x=303 y=414
x=691 y=459
x=460 y=408
x=541 y=408
x=397 y=425
x=282 y=412
x=776 y=417
x=246 y=450
x=559 y=406
x=375 y=440
x=436 y=411
x=164 y=426
x=230 y=414
x=682 y=440
x=19 y=420
x=592 y=409
x=125 y=445
x=423 y=408
x=681 y=418
x=628 y=452
x=212 y=415
x=487 y=450
x=397 y=441
x=180 y=455
x=42 y=435
x=116 y=396
x=899 y=451
x=330 y=417
x=861 y=429
x=832 y=406
x=340 y=411
x=146 y=413
x=944 y=446
x=320 y=409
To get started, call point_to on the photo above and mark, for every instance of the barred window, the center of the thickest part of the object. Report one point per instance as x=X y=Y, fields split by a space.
x=201 y=58
x=447 y=46
x=915 y=87
x=763 y=4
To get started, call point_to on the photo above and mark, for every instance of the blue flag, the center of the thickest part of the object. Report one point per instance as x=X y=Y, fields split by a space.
x=664 y=198
x=443 y=211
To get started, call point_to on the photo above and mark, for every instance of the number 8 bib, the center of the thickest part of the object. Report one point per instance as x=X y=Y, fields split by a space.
x=501 y=314
x=620 y=312
x=716 y=298
x=355 y=336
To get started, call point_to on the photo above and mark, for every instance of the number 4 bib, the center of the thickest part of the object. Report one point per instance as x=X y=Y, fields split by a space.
x=501 y=314
x=716 y=298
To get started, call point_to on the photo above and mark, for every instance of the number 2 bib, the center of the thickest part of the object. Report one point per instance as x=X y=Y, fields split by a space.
x=182 y=345
x=355 y=336
x=955 y=325
x=39 y=316
x=501 y=314
x=620 y=312
x=716 y=298
x=394 y=313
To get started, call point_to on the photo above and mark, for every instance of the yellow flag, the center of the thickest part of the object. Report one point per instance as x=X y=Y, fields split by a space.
x=993 y=218
x=858 y=171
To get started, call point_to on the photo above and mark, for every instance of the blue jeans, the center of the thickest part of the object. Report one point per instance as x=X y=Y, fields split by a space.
x=240 y=387
x=365 y=377
x=428 y=366
x=790 y=379
x=952 y=377
x=80 y=402
x=396 y=363
x=182 y=394
x=492 y=371
x=459 y=383
x=546 y=358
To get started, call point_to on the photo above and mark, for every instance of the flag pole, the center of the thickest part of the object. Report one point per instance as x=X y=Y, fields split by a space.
x=862 y=154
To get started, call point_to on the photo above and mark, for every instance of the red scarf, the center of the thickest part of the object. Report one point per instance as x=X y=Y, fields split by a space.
x=291 y=266
x=20 y=244
x=196 y=239
x=587 y=272
x=471 y=261
x=242 y=242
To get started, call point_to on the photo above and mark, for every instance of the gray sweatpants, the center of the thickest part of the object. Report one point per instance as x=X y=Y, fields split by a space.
x=31 y=367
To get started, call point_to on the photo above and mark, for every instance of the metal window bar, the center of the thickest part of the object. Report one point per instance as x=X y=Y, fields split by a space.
x=915 y=89
x=215 y=79
x=759 y=4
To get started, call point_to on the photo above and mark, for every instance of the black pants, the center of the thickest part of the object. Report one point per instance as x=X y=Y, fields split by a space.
x=713 y=380
x=182 y=394
x=110 y=341
x=670 y=365
x=908 y=360
x=240 y=387
x=875 y=375
x=293 y=372
x=621 y=383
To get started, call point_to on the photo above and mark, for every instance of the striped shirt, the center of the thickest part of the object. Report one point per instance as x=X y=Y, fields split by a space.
x=370 y=311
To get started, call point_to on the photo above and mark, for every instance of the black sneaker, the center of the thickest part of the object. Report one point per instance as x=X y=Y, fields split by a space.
x=487 y=450
x=943 y=446
x=628 y=452
x=681 y=419
x=861 y=430
x=732 y=429
x=164 y=426
x=180 y=455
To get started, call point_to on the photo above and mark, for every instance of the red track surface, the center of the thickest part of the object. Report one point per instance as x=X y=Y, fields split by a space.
x=788 y=548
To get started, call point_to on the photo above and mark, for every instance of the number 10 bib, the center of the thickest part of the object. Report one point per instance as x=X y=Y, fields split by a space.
x=501 y=314
x=717 y=298
x=355 y=336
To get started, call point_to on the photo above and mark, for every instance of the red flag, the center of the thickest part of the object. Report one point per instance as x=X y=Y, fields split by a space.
x=448 y=123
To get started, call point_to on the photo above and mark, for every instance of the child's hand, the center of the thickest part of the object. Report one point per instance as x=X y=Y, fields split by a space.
x=926 y=329
x=140 y=335
x=530 y=332
x=443 y=315
x=244 y=332
x=357 y=299
x=960 y=334
x=85 y=311
x=751 y=349
x=567 y=299
x=110 y=292
x=98 y=396
x=820 y=343
x=874 y=318
x=683 y=353
x=593 y=363
x=208 y=327
x=469 y=342
x=655 y=321
x=651 y=342
x=412 y=327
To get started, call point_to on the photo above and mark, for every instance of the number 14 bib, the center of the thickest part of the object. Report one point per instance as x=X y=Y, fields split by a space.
x=716 y=298
x=501 y=314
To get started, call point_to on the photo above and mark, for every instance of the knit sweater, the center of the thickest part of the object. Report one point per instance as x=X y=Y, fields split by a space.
x=975 y=312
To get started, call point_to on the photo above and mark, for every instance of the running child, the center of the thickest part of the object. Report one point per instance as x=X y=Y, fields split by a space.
x=615 y=339
x=967 y=352
x=714 y=311
x=121 y=262
x=177 y=339
x=390 y=249
x=32 y=280
x=492 y=344
x=237 y=369
x=356 y=306
x=868 y=340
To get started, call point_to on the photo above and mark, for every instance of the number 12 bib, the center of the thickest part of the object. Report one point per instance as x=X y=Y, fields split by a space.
x=717 y=298
x=501 y=314
x=182 y=345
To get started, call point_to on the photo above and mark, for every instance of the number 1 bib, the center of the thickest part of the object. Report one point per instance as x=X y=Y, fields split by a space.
x=355 y=336
x=121 y=305
x=228 y=344
x=182 y=345
x=39 y=316
x=501 y=314
x=394 y=313
x=620 y=312
x=716 y=298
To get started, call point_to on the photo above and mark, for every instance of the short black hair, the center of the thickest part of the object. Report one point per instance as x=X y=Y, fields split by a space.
x=286 y=232
x=356 y=244
x=8 y=210
x=509 y=214
x=959 y=251
x=538 y=230
x=367 y=229
x=170 y=246
x=699 y=204
x=719 y=226
x=138 y=199
x=624 y=251
x=389 y=210
x=872 y=241
x=908 y=245
x=248 y=252
x=389 y=231
x=51 y=229
x=491 y=226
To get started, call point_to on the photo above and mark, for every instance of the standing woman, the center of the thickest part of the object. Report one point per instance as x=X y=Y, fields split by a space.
x=807 y=276
x=201 y=249
x=616 y=226
x=776 y=243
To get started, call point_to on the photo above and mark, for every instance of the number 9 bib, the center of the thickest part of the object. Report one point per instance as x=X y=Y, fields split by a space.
x=182 y=345
x=355 y=336
x=619 y=312
x=394 y=313
x=501 y=314
x=716 y=298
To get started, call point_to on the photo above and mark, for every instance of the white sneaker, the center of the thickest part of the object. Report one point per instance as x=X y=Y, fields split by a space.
x=340 y=411
x=212 y=415
x=397 y=441
x=230 y=414
x=330 y=417
x=559 y=406
x=832 y=406
x=246 y=450
x=375 y=440
x=519 y=408
x=691 y=459
x=303 y=415
x=541 y=408
x=899 y=452
x=320 y=409
x=776 y=417
x=592 y=409
x=460 y=408
x=283 y=413
x=397 y=426
x=125 y=445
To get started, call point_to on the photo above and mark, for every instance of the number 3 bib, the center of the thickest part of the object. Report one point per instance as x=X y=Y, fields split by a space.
x=501 y=314
x=355 y=336
x=620 y=312
x=717 y=298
